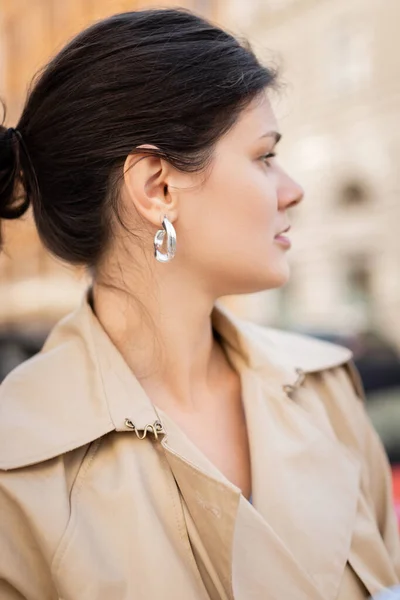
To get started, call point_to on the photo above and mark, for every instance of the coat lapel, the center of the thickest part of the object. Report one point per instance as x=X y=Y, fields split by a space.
x=244 y=549
x=211 y=499
x=305 y=484
x=276 y=544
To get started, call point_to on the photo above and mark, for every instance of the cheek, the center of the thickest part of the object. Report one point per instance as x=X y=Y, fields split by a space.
x=255 y=208
x=246 y=199
x=232 y=222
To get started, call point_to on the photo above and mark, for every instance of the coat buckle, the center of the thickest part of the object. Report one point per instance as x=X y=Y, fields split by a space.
x=294 y=386
x=154 y=428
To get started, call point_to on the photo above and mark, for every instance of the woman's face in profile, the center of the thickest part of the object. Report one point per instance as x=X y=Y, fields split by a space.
x=229 y=227
x=228 y=220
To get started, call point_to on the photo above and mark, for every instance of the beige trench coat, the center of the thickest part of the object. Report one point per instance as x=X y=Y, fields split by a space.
x=104 y=498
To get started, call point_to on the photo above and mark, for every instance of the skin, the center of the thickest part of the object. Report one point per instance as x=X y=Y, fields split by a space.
x=226 y=221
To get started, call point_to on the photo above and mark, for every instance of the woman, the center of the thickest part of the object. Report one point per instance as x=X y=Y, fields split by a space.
x=159 y=447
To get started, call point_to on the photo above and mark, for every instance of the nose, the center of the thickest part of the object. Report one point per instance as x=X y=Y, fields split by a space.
x=290 y=193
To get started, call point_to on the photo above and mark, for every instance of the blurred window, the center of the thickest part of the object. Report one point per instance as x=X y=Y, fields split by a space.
x=3 y=57
x=349 y=56
x=276 y=5
x=358 y=289
x=11 y=355
x=202 y=6
x=353 y=193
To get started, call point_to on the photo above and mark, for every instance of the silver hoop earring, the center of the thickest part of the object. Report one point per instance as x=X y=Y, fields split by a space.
x=170 y=232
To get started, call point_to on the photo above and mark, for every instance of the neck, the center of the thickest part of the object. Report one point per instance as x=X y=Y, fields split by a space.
x=167 y=340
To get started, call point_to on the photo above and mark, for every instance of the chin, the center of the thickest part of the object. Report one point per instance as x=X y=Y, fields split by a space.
x=281 y=277
x=274 y=281
x=262 y=281
x=252 y=280
x=275 y=277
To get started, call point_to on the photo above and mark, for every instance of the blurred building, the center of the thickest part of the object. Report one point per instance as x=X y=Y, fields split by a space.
x=35 y=288
x=340 y=115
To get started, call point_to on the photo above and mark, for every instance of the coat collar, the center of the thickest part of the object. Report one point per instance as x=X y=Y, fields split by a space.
x=79 y=387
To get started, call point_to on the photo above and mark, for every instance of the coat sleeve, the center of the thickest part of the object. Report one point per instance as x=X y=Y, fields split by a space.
x=24 y=574
x=380 y=480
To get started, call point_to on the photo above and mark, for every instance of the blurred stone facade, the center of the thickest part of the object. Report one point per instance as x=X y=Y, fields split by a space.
x=340 y=115
x=33 y=286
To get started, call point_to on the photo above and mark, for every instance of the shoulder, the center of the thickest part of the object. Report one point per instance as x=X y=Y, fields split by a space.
x=334 y=363
x=305 y=352
x=35 y=504
x=312 y=352
x=267 y=344
x=265 y=348
x=331 y=379
x=42 y=413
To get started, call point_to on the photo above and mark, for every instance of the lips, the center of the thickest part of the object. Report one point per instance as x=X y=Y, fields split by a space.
x=282 y=232
x=282 y=240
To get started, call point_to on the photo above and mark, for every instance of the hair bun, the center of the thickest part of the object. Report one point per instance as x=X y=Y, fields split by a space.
x=14 y=200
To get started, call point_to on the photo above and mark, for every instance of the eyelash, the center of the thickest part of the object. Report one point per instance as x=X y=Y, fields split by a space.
x=267 y=156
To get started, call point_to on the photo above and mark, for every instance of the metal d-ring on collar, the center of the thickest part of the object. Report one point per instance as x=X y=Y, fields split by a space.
x=289 y=388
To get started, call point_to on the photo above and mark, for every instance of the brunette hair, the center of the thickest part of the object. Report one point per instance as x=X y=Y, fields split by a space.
x=163 y=77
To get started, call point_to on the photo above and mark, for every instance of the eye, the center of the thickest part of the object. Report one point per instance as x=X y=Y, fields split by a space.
x=267 y=157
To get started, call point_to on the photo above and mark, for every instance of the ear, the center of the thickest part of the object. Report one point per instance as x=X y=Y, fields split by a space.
x=146 y=180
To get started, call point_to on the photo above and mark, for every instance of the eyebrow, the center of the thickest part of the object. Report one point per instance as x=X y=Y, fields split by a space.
x=274 y=134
